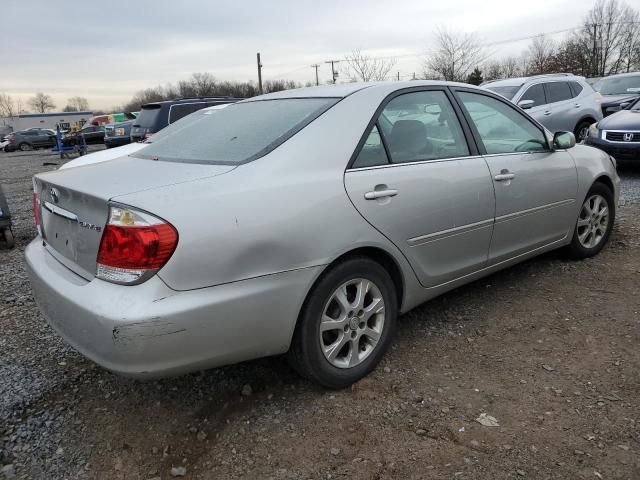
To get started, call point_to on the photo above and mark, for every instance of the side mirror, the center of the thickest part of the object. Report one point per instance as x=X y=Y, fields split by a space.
x=563 y=140
x=525 y=104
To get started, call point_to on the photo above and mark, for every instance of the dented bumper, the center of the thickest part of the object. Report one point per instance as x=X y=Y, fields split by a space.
x=150 y=330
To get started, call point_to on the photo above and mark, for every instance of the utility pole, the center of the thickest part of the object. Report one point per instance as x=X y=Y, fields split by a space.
x=316 y=66
x=398 y=76
x=259 y=73
x=334 y=73
x=595 y=49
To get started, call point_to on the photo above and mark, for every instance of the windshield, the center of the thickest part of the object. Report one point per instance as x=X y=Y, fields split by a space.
x=507 y=91
x=635 y=106
x=148 y=115
x=618 y=85
x=239 y=133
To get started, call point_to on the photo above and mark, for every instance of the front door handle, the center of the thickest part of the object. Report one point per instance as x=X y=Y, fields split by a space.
x=577 y=105
x=547 y=113
x=380 y=194
x=504 y=176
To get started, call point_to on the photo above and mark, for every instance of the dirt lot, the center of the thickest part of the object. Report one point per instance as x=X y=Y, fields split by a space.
x=549 y=348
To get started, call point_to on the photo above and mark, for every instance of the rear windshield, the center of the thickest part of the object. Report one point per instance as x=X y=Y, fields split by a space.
x=238 y=133
x=507 y=91
x=148 y=115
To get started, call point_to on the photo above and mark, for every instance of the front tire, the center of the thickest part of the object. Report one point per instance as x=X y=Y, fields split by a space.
x=581 y=130
x=346 y=324
x=25 y=147
x=594 y=223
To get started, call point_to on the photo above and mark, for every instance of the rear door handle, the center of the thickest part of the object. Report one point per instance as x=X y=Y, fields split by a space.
x=504 y=175
x=380 y=194
x=577 y=105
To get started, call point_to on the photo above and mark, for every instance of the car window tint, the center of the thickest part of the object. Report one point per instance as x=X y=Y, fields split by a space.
x=558 y=92
x=502 y=129
x=240 y=133
x=372 y=152
x=422 y=126
x=179 y=111
x=576 y=88
x=535 y=93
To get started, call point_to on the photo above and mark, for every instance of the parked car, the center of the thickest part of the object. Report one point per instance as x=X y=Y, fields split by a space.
x=303 y=221
x=153 y=117
x=619 y=133
x=118 y=134
x=618 y=91
x=560 y=102
x=117 y=152
x=90 y=133
x=30 y=140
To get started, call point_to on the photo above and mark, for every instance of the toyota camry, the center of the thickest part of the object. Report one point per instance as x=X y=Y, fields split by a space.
x=304 y=222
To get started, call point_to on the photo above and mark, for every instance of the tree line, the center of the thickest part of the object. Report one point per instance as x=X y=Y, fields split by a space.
x=606 y=42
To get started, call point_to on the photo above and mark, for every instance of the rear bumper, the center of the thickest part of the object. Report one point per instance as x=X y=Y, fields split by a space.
x=618 y=150
x=149 y=330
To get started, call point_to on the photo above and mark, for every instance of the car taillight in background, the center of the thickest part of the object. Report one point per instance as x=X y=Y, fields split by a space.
x=134 y=246
x=36 y=211
x=598 y=97
x=11 y=138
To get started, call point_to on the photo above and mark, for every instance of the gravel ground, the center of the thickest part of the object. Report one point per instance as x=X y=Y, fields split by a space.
x=549 y=348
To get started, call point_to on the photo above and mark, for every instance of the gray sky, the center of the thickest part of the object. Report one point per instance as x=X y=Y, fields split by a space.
x=107 y=50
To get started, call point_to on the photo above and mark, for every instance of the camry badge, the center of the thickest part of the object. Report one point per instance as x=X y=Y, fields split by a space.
x=627 y=137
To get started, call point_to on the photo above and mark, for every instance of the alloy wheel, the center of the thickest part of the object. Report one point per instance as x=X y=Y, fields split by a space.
x=593 y=221
x=352 y=323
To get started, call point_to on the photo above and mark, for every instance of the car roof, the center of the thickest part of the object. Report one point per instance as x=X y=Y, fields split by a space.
x=345 y=89
x=626 y=74
x=191 y=100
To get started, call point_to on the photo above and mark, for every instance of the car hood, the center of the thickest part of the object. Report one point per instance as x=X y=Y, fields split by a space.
x=622 y=120
x=617 y=99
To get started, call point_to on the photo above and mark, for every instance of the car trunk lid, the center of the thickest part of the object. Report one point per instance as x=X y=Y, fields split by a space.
x=73 y=204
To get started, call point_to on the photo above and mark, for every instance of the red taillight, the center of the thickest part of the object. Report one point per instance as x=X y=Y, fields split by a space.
x=36 y=215
x=11 y=138
x=139 y=248
x=598 y=97
x=134 y=244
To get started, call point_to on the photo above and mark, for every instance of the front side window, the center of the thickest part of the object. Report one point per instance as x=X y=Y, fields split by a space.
x=238 y=133
x=422 y=126
x=558 y=92
x=372 y=152
x=502 y=129
x=535 y=93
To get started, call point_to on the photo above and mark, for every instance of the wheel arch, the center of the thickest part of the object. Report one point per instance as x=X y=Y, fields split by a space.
x=589 y=118
x=605 y=180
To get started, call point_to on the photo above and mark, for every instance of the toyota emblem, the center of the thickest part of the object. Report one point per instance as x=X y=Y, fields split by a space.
x=55 y=196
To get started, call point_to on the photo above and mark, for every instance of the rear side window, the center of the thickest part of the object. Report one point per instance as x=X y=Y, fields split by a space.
x=558 y=92
x=576 y=88
x=239 y=133
x=178 y=111
x=372 y=152
x=535 y=93
x=422 y=126
x=148 y=116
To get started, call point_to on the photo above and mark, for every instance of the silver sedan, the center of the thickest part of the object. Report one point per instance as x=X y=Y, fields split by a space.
x=304 y=222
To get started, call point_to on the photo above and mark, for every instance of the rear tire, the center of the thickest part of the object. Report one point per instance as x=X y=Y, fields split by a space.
x=594 y=223
x=346 y=324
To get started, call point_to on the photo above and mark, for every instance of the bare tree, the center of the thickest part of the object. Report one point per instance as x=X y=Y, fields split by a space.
x=364 y=68
x=76 y=104
x=41 y=102
x=541 y=52
x=509 y=67
x=493 y=70
x=8 y=107
x=456 y=55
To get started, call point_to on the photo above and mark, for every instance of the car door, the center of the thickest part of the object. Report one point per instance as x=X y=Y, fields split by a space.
x=560 y=107
x=535 y=187
x=536 y=94
x=417 y=180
